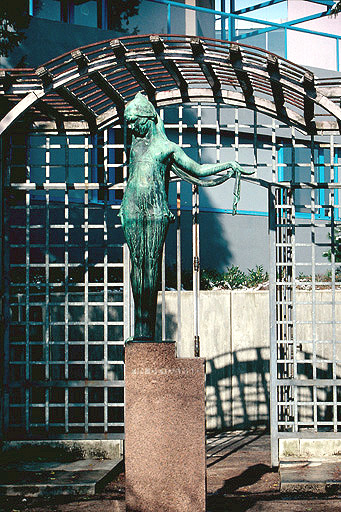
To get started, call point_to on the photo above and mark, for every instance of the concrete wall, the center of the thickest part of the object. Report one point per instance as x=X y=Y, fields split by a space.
x=309 y=449
x=65 y=449
x=234 y=338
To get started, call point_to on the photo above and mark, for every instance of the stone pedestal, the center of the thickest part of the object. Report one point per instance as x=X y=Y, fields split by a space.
x=165 y=454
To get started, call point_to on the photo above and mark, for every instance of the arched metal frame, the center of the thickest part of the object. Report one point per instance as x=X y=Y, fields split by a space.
x=86 y=91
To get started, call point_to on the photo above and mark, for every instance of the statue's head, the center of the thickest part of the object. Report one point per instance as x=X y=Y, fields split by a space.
x=139 y=114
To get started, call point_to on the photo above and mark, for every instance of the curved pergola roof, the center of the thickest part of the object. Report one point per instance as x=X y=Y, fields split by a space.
x=88 y=88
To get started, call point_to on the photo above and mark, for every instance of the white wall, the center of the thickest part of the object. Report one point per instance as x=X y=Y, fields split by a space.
x=307 y=49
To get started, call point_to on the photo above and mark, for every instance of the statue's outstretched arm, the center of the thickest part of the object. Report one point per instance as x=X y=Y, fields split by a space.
x=191 y=171
x=194 y=169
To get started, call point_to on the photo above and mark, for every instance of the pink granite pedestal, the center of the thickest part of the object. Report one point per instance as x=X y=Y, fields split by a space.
x=165 y=457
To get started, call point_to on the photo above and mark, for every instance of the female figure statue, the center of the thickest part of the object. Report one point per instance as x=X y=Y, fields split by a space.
x=144 y=211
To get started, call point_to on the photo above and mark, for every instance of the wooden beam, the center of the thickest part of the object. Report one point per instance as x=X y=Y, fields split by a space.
x=276 y=86
x=198 y=51
x=159 y=50
x=134 y=69
x=331 y=91
x=108 y=89
x=45 y=76
x=243 y=78
x=81 y=60
x=6 y=80
x=309 y=104
x=19 y=110
x=50 y=112
x=79 y=105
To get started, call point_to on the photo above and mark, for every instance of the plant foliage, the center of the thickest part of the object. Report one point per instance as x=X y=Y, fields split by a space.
x=120 y=12
x=232 y=279
x=336 y=246
x=13 y=20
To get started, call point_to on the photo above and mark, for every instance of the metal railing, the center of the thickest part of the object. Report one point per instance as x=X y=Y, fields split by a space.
x=229 y=20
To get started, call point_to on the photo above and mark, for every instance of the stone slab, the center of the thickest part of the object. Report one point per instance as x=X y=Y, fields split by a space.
x=310 y=476
x=32 y=479
x=165 y=457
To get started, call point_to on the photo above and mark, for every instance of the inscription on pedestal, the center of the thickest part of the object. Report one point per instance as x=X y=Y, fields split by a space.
x=165 y=371
x=165 y=453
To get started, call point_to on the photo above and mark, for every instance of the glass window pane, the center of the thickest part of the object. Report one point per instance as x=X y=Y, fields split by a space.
x=85 y=13
x=47 y=9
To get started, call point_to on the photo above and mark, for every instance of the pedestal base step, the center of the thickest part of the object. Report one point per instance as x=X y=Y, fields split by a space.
x=32 y=479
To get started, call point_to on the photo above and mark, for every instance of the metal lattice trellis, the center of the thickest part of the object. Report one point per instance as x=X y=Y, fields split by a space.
x=63 y=293
x=305 y=298
x=67 y=294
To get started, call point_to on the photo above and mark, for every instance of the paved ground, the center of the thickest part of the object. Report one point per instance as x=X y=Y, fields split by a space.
x=239 y=479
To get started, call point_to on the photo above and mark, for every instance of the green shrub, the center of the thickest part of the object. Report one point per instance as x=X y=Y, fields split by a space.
x=337 y=245
x=257 y=276
x=233 y=278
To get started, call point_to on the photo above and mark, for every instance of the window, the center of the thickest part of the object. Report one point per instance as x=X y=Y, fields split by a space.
x=47 y=9
x=88 y=13
x=294 y=165
x=84 y=12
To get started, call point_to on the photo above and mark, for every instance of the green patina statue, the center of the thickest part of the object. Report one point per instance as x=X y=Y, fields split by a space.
x=144 y=212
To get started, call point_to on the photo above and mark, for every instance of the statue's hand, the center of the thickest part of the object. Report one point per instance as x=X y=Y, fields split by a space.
x=237 y=168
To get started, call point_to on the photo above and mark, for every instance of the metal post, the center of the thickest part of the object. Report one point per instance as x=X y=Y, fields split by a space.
x=223 y=19
x=168 y=19
x=273 y=341
x=285 y=43
x=196 y=257
x=46 y=306
x=178 y=241
x=5 y=179
x=106 y=355
x=232 y=23
x=333 y=281
x=196 y=269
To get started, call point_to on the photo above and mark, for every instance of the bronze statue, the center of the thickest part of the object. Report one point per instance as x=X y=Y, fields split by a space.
x=144 y=211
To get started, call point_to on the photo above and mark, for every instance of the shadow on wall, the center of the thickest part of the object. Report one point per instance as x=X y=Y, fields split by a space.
x=237 y=393
x=237 y=381
x=214 y=245
x=212 y=230
x=237 y=350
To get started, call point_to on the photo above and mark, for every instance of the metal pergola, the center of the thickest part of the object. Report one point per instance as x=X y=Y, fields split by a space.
x=66 y=313
x=88 y=87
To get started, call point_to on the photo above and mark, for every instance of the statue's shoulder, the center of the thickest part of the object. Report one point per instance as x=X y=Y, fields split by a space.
x=164 y=146
x=169 y=146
